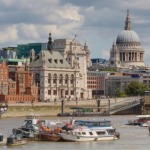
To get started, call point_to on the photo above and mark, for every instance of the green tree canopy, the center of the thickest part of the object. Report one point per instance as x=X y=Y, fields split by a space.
x=136 y=88
x=119 y=93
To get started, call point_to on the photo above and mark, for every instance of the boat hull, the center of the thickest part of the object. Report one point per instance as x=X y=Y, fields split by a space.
x=75 y=138
x=49 y=137
x=13 y=141
x=3 y=142
x=18 y=142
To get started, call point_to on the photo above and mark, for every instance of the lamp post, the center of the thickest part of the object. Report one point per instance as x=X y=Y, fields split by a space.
x=32 y=102
x=75 y=65
x=108 y=106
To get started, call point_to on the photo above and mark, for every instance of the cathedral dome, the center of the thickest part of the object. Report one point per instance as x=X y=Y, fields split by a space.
x=127 y=36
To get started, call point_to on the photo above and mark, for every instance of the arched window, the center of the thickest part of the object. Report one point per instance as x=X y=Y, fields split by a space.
x=49 y=78
x=66 y=79
x=55 y=78
x=71 y=79
x=60 y=79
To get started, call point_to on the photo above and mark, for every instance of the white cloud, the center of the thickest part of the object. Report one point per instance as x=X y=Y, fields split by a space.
x=8 y=34
x=97 y=21
x=69 y=12
x=29 y=31
x=132 y=4
x=90 y=9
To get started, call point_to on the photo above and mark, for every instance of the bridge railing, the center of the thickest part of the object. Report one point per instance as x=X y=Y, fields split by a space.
x=117 y=108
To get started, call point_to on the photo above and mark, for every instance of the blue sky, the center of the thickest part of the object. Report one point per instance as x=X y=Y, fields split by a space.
x=98 y=22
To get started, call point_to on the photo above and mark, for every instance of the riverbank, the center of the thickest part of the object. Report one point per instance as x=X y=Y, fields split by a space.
x=52 y=108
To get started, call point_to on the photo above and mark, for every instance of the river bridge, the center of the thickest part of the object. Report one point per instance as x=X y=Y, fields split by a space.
x=128 y=106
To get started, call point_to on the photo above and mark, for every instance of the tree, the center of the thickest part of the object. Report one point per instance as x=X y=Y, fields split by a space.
x=136 y=88
x=119 y=93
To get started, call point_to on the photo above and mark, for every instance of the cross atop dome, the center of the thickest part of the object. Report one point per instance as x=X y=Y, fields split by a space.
x=127 y=22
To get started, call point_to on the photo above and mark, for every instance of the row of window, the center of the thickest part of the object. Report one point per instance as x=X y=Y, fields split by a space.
x=91 y=133
x=15 y=98
x=129 y=45
x=94 y=82
x=146 y=76
x=95 y=87
x=55 y=92
x=92 y=78
x=60 y=81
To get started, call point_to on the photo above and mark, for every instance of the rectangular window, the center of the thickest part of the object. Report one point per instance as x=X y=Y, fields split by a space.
x=83 y=133
x=55 y=60
x=71 y=81
x=100 y=132
x=49 y=80
x=54 y=81
x=55 y=92
x=60 y=81
x=49 y=92
x=66 y=92
x=72 y=92
x=66 y=81
x=50 y=60
x=61 y=61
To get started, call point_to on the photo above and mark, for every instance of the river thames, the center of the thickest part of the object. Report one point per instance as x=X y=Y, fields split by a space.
x=131 y=137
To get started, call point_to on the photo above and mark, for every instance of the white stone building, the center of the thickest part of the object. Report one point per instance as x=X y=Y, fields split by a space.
x=60 y=74
x=126 y=50
x=71 y=51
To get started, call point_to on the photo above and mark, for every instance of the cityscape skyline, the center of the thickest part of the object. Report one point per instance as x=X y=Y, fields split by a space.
x=96 y=22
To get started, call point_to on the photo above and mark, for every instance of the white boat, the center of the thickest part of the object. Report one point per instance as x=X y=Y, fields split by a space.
x=90 y=130
x=141 y=120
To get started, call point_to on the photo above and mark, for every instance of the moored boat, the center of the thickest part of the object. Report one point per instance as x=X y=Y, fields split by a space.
x=50 y=132
x=29 y=129
x=90 y=130
x=15 y=140
x=141 y=120
x=2 y=140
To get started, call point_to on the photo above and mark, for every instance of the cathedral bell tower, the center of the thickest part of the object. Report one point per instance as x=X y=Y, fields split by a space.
x=114 y=56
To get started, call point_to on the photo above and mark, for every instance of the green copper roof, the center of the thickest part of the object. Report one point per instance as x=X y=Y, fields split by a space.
x=13 y=60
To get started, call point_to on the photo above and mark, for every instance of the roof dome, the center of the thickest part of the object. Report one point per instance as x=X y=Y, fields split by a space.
x=128 y=36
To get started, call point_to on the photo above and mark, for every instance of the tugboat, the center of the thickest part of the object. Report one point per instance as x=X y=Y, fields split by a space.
x=3 y=108
x=29 y=129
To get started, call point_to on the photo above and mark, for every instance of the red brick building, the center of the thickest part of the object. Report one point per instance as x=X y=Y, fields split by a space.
x=17 y=84
x=96 y=82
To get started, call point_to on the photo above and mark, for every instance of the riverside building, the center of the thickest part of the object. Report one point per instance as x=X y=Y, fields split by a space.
x=17 y=84
x=59 y=72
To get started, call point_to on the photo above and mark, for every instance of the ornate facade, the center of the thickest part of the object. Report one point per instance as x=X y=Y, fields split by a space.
x=126 y=50
x=59 y=76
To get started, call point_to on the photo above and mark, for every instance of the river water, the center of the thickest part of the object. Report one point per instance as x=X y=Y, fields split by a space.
x=131 y=137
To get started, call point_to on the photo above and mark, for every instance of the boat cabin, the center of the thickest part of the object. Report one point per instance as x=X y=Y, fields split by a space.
x=31 y=119
x=91 y=123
